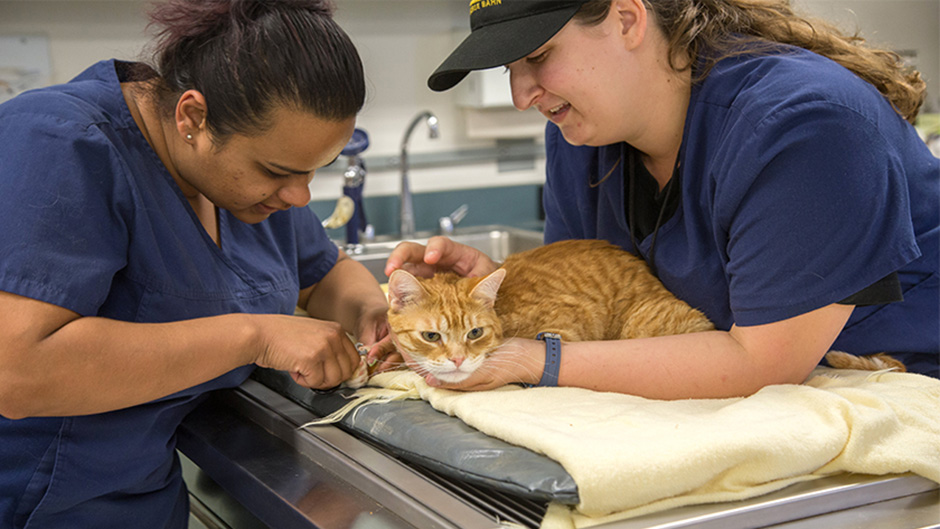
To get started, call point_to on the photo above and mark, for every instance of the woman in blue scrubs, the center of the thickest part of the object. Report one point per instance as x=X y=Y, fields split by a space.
x=155 y=245
x=762 y=164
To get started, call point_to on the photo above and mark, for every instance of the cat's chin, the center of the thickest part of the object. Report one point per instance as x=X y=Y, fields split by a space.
x=452 y=377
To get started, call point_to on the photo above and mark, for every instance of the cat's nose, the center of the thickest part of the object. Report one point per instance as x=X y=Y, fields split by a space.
x=457 y=361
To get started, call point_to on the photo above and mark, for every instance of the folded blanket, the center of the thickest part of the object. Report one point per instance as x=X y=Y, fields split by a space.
x=631 y=456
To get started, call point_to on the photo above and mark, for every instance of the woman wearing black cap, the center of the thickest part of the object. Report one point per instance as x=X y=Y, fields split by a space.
x=156 y=243
x=761 y=163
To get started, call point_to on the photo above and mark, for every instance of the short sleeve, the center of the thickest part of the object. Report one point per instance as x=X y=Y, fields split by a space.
x=317 y=254
x=814 y=206
x=63 y=234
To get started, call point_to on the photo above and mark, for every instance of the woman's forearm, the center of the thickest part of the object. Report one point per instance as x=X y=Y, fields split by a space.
x=701 y=365
x=58 y=363
x=713 y=364
x=92 y=365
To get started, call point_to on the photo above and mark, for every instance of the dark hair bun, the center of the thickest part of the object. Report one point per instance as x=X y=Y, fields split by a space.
x=246 y=56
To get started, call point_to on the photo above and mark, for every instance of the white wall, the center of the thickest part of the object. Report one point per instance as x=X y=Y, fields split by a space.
x=401 y=42
x=900 y=25
x=79 y=32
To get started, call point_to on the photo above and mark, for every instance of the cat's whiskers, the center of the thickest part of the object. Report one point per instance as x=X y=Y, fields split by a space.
x=504 y=358
x=393 y=366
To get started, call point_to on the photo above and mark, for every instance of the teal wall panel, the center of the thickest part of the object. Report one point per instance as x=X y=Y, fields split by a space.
x=518 y=206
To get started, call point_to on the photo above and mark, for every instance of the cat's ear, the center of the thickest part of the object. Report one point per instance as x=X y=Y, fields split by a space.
x=403 y=290
x=486 y=289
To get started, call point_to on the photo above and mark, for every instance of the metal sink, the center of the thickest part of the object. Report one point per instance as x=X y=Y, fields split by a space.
x=494 y=240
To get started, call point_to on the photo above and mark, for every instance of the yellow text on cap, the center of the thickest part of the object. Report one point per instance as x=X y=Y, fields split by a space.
x=480 y=4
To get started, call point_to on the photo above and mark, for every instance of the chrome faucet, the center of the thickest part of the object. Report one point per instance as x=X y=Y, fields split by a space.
x=407 y=230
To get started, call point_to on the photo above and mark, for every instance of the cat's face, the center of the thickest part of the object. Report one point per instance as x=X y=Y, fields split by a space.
x=445 y=325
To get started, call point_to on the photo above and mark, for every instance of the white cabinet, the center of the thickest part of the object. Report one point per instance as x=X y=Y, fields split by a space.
x=486 y=100
x=485 y=97
x=485 y=89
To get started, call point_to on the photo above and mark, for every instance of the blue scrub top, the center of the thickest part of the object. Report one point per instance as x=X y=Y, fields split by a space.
x=800 y=186
x=94 y=223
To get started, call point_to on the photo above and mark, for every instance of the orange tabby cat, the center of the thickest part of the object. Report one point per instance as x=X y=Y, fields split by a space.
x=581 y=289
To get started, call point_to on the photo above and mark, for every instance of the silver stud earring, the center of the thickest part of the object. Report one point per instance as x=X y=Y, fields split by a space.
x=189 y=136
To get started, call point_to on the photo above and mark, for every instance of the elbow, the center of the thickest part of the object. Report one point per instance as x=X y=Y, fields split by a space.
x=784 y=369
x=14 y=416
x=779 y=353
x=800 y=373
x=19 y=396
x=13 y=406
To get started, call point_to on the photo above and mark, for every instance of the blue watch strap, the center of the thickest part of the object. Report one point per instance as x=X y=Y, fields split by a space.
x=552 y=358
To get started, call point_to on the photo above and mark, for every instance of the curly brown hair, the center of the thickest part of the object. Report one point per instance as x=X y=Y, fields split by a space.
x=702 y=32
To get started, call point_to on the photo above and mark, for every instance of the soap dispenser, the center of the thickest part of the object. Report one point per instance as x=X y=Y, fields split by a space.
x=354 y=178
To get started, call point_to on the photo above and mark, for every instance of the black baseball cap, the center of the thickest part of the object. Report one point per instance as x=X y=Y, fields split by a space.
x=501 y=32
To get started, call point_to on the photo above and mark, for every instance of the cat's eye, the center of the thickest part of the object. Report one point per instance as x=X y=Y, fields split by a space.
x=431 y=336
x=475 y=333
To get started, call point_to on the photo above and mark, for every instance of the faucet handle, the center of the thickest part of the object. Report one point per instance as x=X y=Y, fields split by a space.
x=448 y=223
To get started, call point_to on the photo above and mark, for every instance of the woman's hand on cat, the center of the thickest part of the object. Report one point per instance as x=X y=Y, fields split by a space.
x=440 y=255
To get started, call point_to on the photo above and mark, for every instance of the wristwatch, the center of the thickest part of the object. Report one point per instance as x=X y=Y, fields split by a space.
x=552 y=358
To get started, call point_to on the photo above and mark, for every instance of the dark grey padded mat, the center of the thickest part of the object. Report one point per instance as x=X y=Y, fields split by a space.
x=416 y=432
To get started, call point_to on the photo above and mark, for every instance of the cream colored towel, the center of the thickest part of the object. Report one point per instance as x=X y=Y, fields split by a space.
x=632 y=456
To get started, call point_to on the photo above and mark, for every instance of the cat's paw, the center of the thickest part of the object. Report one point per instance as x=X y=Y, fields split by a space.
x=360 y=377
